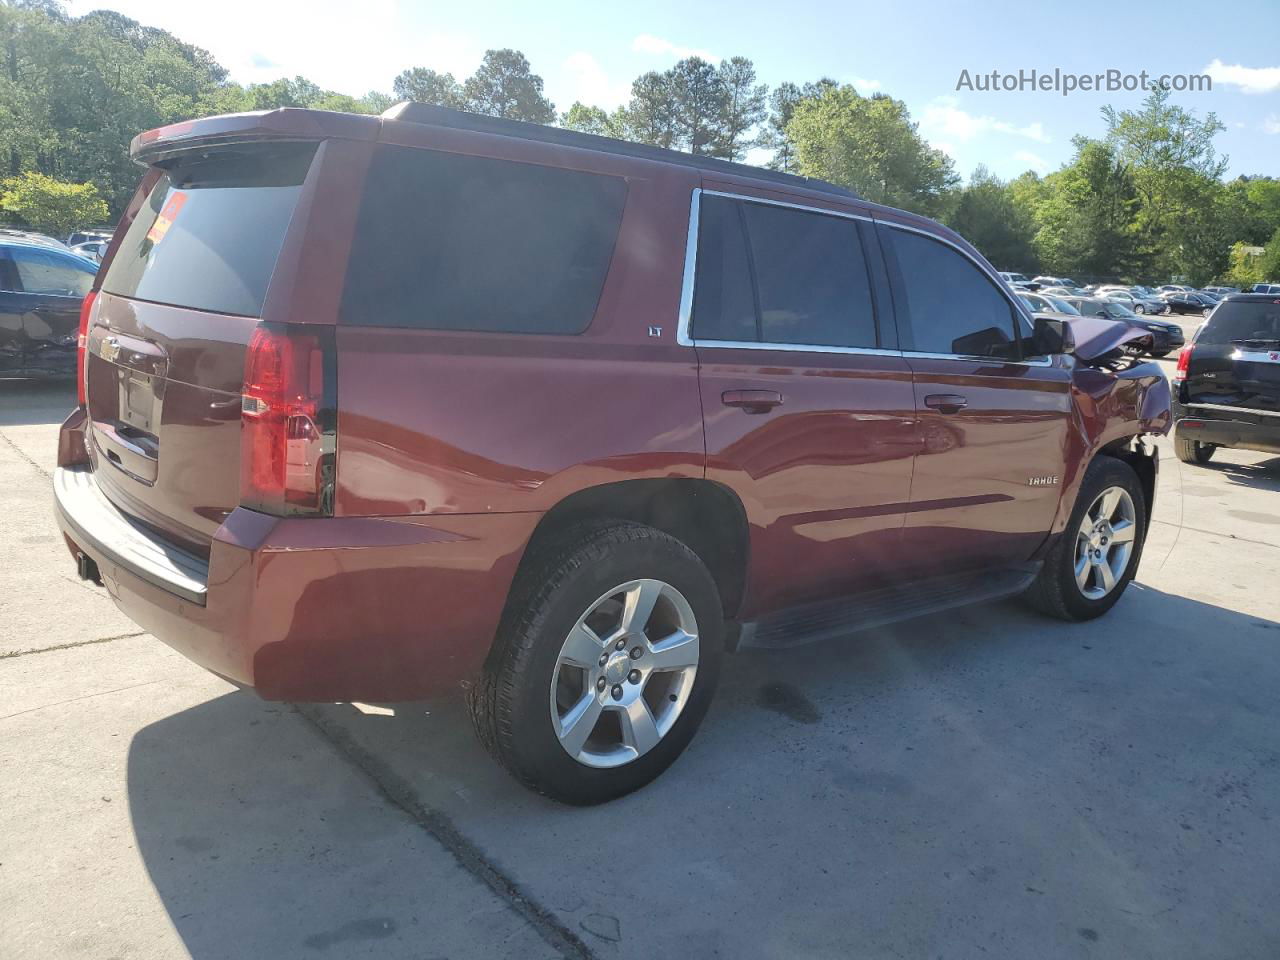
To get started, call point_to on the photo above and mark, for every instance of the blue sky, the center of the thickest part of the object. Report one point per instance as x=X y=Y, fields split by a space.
x=913 y=51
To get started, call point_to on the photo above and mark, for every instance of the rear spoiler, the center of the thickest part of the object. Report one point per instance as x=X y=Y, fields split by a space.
x=287 y=123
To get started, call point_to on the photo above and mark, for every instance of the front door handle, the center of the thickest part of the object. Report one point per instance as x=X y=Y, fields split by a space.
x=946 y=402
x=752 y=401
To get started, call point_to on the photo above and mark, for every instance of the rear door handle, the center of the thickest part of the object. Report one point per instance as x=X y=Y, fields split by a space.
x=946 y=402
x=752 y=401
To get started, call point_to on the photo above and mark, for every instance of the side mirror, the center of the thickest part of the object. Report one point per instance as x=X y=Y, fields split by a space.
x=1052 y=337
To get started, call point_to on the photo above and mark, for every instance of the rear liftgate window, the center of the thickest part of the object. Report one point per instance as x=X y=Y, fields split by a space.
x=452 y=242
x=210 y=231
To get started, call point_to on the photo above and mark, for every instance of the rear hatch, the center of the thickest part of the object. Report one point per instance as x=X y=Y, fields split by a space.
x=1235 y=360
x=166 y=347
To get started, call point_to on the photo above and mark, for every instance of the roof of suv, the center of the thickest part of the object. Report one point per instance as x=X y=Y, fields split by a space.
x=296 y=122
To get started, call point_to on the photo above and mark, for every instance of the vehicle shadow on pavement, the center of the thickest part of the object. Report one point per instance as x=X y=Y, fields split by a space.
x=36 y=401
x=1264 y=475
x=982 y=780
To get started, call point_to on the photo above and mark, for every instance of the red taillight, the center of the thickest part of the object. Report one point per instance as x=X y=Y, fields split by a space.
x=82 y=341
x=1184 y=359
x=286 y=456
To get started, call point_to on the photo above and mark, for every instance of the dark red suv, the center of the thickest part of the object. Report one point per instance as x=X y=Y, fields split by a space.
x=373 y=408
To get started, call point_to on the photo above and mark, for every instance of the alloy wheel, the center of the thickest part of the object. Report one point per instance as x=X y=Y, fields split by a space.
x=1104 y=542
x=624 y=673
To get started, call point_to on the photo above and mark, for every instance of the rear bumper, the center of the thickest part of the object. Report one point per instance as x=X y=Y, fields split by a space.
x=304 y=609
x=1249 y=430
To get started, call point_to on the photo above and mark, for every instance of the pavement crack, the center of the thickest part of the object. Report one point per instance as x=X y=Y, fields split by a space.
x=22 y=453
x=1219 y=533
x=400 y=792
x=87 y=696
x=68 y=646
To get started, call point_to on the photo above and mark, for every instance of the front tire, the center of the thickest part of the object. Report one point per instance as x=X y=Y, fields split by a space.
x=1088 y=569
x=1139 y=309
x=605 y=663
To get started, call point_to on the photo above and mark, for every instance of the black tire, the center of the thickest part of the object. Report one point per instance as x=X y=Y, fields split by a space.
x=1054 y=591
x=1192 y=451
x=1139 y=309
x=510 y=703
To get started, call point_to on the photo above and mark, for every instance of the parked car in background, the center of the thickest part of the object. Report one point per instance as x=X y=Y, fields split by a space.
x=1187 y=301
x=1173 y=288
x=89 y=234
x=1227 y=385
x=1055 y=282
x=1165 y=337
x=1221 y=291
x=1265 y=288
x=1045 y=304
x=460 y=442
x=30 y=236
x=1012 y=278
x=93 y=250
x=41 y=290
x=1136 y=302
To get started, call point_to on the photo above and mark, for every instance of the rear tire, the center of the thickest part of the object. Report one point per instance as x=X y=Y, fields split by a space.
x=1192 y=451
x=635 y=716
x=1061 y=590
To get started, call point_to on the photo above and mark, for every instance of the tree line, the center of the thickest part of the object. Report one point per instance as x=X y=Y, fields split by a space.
x=1144 y=201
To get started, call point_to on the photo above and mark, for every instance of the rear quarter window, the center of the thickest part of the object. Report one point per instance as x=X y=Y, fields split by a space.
x=211 y=229
x=454 y=242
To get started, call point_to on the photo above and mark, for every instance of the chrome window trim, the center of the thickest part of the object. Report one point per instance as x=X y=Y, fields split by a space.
x=685 y=317
x=691 y=269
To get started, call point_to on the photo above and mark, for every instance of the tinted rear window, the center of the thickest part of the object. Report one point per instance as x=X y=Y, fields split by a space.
x=1241 y=320
x=453 y=242
x=210 y=231
x=811 y=286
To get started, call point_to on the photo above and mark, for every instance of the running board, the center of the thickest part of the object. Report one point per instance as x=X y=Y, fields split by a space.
x=876 y=608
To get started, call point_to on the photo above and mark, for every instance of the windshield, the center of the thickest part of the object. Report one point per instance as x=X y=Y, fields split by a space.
x=1062 y=306
x=1117 y=310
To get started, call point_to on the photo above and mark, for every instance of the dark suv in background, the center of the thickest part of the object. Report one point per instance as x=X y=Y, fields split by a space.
x=1227 y=385
x=374 y=408
x=41 y=291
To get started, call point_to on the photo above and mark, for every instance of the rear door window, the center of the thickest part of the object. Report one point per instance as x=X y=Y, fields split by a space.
x=211 y=229
x=50 y=274
x=454 y=242
x=774 y=274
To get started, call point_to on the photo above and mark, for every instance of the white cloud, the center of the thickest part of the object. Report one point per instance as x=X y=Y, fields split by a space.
x=282 y=41
x=1031 y=161
x=1248 y=79
x=587 y=81
x=659 y=47
x=865 y=86
x=1272 y=123
x=943 y=119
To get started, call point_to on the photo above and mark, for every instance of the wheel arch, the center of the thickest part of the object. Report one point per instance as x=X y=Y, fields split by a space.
x=704 y=515
x=1140 y=454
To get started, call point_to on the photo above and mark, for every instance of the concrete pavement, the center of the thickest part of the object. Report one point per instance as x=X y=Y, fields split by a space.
x=985 y=783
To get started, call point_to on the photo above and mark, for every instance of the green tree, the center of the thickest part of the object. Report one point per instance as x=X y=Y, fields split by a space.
x=1087 y=215
x=698 y=97
x=422 y=85
x=986 y=215
x=504 y=86
x=651 y=112
x=52 y=206
x=782 y=104
x=1244 y=269
x=871 y=145
x=744 y=104
x=595 y=120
